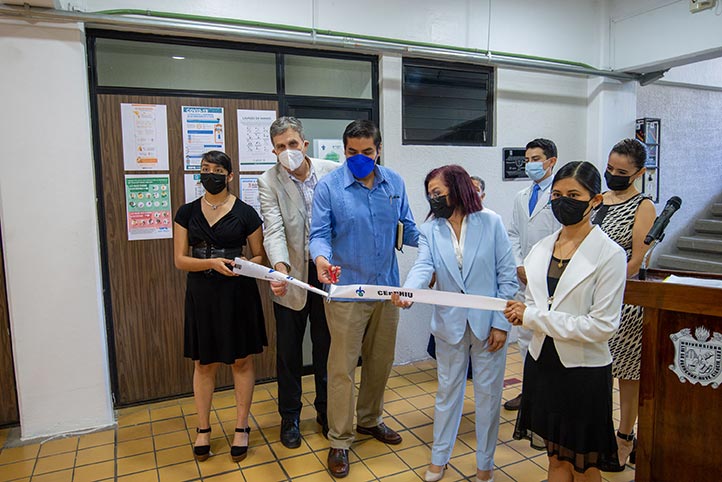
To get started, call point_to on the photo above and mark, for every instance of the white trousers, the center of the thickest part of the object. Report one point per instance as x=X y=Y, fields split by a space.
x=452 y=364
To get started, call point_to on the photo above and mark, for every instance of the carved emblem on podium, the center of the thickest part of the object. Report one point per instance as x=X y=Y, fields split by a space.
x=698 y=357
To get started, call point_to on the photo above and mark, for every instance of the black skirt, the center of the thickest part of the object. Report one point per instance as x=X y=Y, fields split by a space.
x=569 y=408
x=223 y=318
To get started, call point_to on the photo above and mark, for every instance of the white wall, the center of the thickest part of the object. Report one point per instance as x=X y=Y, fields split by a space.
x=49 y=231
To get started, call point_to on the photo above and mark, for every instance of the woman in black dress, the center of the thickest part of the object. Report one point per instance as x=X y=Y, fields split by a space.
x=573 y=302
x=223 y=316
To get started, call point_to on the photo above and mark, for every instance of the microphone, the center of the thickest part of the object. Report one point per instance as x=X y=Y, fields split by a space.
x=657 y=231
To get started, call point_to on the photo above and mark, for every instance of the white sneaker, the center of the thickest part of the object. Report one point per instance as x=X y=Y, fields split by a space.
x=434 y=476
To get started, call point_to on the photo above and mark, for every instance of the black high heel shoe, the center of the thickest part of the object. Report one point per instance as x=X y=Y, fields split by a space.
x=239 y=452
x=202 y=452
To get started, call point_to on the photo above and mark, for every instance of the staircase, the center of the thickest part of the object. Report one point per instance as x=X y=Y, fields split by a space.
x=701 y=251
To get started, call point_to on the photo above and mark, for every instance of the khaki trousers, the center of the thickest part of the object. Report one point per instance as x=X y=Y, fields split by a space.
x=358 y=328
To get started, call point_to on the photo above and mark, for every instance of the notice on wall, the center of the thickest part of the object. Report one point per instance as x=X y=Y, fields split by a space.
x=329 y=149
x=249 y=191
x=145 y=137
x=513 y=163
x=254 y=143
x=193 y=187
x=203 y=131
x=147 y=206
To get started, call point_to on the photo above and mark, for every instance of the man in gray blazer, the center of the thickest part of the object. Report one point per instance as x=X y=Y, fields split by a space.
x=286 y=194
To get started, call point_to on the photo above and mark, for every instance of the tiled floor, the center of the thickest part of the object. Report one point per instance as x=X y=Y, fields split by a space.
x=152 y=443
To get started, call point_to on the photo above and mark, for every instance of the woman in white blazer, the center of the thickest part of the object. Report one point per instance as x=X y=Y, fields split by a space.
x=573 y=300
x=470 y=252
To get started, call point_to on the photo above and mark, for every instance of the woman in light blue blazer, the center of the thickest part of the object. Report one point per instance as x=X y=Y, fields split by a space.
x=470 y=252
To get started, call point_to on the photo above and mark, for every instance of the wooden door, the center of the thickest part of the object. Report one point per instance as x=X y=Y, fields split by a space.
x=8 y=394
x=146 y=290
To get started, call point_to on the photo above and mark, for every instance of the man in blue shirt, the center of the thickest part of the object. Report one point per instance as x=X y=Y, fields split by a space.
x=356 y=212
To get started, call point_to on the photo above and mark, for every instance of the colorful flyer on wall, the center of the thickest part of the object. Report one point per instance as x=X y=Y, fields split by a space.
x=254 y=143
x=147 y=206
x=193 y=187
x=249 y=191
x=329 y=149
x=203 y=131
x=145 y=137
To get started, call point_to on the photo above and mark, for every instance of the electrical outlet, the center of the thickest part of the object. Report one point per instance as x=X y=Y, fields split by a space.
x=699 y=5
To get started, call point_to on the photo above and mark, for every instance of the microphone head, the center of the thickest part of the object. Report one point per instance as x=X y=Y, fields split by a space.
x=675 y=201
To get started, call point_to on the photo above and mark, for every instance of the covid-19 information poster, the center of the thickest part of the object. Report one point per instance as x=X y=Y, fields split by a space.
x=147 y=206
x=203 y=131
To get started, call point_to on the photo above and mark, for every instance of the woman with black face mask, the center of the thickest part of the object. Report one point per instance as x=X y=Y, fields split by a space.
x=572 y=304
x=223 y=316
x=626 y=216
x=469 y=251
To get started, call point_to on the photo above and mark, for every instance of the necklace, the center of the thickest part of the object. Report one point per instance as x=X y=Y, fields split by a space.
x=560 y=264
x=216 y=206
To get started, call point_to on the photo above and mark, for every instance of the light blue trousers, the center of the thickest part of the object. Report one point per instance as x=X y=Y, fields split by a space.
x=452 y=364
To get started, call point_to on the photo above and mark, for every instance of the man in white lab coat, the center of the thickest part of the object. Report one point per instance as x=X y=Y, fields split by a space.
x=532 y=220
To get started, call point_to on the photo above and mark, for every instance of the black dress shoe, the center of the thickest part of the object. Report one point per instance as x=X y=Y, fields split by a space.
x=290 y=433
x=202 y=452
x=322 y=420
x=381 y=433
x=239 y=452
x=513 y=404
x=338 y=462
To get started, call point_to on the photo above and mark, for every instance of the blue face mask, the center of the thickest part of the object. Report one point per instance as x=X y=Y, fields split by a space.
x=535 y=170
x=360 y=165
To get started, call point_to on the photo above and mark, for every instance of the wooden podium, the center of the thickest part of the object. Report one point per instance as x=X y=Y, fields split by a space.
x=680 y=424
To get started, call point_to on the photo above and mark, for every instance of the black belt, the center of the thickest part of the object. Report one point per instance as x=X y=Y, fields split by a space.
x=209 y=251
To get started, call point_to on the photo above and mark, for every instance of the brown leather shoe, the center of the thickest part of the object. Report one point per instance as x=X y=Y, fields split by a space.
x=381 y=433
x=338 y=462
x=513 y=404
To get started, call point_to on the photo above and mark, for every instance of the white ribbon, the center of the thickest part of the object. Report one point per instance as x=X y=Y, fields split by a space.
x=253 y=270
x=433 y=297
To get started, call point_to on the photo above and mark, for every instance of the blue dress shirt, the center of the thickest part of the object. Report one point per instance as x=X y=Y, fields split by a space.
x=354 y=227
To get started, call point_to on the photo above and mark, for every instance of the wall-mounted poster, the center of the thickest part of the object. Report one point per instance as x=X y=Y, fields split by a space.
x=203 y=131
x=254 y=142
x=193 y=187
x=513 y=163
x=147 y=206
x=249 y=191
x=329 y=149
x=145 y=137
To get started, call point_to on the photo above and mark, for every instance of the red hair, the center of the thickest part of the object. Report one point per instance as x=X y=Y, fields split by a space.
x=462 y=193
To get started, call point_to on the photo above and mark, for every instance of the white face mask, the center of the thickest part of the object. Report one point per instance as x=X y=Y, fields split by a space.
x=291 y=159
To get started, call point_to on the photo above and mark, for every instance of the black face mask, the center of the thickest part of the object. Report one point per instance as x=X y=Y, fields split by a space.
x=213 y=183
x=569 y=211
x=617 y=183
x=440 y=208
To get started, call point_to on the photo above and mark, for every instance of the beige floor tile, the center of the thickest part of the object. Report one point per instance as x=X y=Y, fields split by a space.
x=413 y=419
x=408 y=439
x=219 y=464
x=410 y=391
x=505 y=455
x=270 y=472
x=16 y=470
x=420 y=377
x=358 y=472
x=385 y=465
x=94 y=455
x=172 y=439
x=179 y=473
x=397 y=382
x=132 y=433
x=175 y=455
x=391 y=395
x=370 y=447
x=136 y=463
x=135 y=447
x=419 y=456
x=302 y=465
x=258 y=455
x=97 y=438
x=92 y=473
x=404 y=369
x=235 y=476
x=169 y=425
x=506 y=431
x=316 y=441
x=398 y=407
x=525 y=470
x=460 y=448
x=429 y=387
x=409 y=476
x=16 y=454
x=424 y=433
x=322 y=476
x=59 y=476
x=54 y=463
x=423 y=401
x=147 y=476
x=59 y=446
x=166 y=412
x=134 y=418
